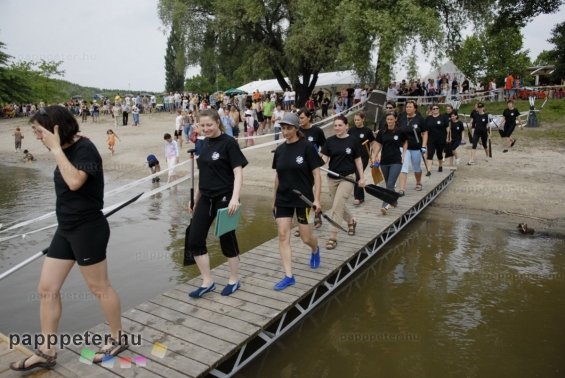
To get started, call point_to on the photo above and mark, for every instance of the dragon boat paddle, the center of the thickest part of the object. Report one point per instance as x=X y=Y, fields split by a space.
x=309 y=203
x=387 y=195
x=44 y=252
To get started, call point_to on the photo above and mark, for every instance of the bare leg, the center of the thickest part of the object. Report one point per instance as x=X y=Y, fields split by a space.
x=233 y=263
x=283 y=227
x=96 y=277
x=203 y=263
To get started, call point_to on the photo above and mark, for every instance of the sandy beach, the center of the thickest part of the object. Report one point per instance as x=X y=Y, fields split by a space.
x=523 y=185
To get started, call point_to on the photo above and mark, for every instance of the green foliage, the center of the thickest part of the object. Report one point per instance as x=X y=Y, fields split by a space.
x=492 y=54
x=175 y=61
x=544 y=58
x=557 y=55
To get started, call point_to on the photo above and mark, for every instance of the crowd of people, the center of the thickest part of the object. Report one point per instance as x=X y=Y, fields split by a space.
x=403 y=141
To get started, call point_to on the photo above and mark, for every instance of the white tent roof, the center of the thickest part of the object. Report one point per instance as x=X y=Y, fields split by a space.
x=337 y=79
x=447 y=68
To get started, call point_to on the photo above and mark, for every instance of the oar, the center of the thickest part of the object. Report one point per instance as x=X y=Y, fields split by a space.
x=188 y=258
x=41 y=253
x=489 y=144
x=375 y=170
x=309 y=203
x=387 y=195
x=428 y=173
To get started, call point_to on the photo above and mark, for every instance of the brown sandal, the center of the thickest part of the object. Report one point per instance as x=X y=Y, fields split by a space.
x=111 y=350
x=317 y=222
x=351 y=227
x=331 y=244
x=49 y=362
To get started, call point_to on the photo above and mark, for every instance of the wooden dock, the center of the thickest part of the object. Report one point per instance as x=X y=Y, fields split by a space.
x=218 y=335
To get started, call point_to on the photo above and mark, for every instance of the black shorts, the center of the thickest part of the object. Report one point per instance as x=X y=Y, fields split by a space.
x=482 y=135
x=178 y=133
x=508 y=130
x=304 y=215
x=455 y=144
x=153 y=163
x=435 y=148
x=260 y=117
x=86 y=243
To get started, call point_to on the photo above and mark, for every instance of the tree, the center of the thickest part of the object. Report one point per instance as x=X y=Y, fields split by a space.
x=492 y=54
x=14 y=85
x=557 y=55
x=544 y=58
x=175 y=62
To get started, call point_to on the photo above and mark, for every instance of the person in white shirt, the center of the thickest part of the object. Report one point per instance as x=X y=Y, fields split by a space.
x=292 y=97
x=286 y=99
x=179 y=123
x=172 y=155
x=278 y=115
x=153 y=102
x=357 y=95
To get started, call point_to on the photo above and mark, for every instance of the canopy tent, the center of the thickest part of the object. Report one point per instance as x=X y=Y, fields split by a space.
x=326 y=80
x=448 y=68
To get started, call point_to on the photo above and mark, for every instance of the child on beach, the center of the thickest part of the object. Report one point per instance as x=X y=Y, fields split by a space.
x=18 y=136
x=172 y=155
x=27 y=157
x=111 y=140
x=154 y=166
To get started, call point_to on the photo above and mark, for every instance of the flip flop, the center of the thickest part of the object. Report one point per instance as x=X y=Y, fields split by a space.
x=109 y=351
x=419 y=187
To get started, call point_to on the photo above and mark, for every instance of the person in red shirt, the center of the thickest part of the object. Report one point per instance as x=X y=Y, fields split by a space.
x=508 y=83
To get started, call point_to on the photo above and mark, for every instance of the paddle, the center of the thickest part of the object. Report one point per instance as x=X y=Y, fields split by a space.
x=375 y=170
x=489 y=144
x=188 y=257
x=387 y=195
x=428 y=173
x=309 y=203
x=43 y=252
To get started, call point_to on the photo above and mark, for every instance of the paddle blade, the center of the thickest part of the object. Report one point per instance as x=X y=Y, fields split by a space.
x=389 y=196
x=489 y=149
x=188 y=257
x=377 y=175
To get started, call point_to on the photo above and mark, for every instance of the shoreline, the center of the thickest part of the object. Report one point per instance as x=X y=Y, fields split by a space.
x=523 y=185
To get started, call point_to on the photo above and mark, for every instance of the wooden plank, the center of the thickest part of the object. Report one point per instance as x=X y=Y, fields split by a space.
x=175 y=316
x=237 y=311
x=175 y=328
x=204 y=314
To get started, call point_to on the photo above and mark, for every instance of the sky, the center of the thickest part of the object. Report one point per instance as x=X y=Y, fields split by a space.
x=121 y=44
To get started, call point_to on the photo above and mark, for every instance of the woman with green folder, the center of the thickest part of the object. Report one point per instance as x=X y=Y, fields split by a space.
x=221 y=175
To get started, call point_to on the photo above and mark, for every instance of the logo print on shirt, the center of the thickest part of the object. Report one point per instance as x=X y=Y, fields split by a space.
x=215 y=156
x=483 y=119
x=310 y=139
x=439 y=122
x=395 y=137
x=299 y=160
x=348 y=151
x=416 y=126
x=361 y=136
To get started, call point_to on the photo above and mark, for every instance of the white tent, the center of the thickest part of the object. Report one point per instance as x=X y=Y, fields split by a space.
x=328 y=80
x=448 y=68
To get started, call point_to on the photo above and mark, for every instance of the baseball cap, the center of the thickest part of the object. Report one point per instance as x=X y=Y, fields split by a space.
x=290 y=119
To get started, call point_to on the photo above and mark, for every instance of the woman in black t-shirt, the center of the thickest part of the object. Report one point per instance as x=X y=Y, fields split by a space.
x=343 y=153
x=367 y=140
x=390 y=143
x=221 y=166
x=81 y=237
x=480 y=124
x=455 y=136
x=298 y=167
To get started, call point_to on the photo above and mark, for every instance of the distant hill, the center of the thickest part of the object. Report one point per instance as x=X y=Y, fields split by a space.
x=67 y=90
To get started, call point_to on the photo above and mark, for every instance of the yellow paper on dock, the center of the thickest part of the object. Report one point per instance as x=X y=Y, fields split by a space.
x=225 y=222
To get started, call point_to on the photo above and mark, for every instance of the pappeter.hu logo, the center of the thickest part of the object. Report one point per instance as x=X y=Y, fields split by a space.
x=87 y=356
x=63 y=340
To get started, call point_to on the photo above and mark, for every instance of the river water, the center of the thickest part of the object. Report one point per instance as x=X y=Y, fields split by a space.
x=451 y=296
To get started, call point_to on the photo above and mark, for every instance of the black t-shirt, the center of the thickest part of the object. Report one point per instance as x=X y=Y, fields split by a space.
x=437 y=128
x=362 y=134
x=85 y=204
x=510 y=116
x=342 y=153
x=454 y=84
x=480 y=121
x=465 y=85
x=218 y=157
x=314 y=135
x=391 y=145
x=294 y=163
x=473 y=114
x=408 y=125
x=456 y=130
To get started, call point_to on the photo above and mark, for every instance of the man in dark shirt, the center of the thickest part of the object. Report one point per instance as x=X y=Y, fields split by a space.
x=480 y=121
x=510 y=115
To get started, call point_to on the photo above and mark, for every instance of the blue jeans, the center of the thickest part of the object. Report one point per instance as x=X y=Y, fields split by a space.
x=277 y=132
x=135 y=118
x=390 y=173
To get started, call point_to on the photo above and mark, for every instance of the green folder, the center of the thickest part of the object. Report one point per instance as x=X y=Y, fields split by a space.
x=225 y=222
